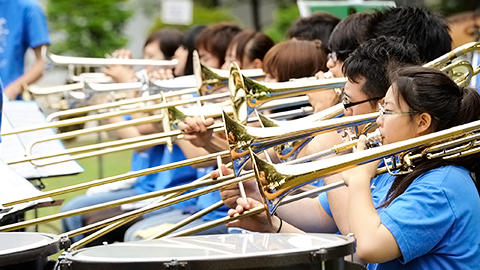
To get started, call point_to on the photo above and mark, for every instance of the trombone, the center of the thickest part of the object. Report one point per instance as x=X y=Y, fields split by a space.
x=174 y=116
x=276 y=181
x=405 y=158
x=242 y=139
x=210 y=80
x=247 y=94
x=443 y=63
x=251 y=94
x=339 y=124
x=98 y=62
x=204 y=81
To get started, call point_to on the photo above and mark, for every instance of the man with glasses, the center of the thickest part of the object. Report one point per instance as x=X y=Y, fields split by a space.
x=368 y=72
x=367 y=69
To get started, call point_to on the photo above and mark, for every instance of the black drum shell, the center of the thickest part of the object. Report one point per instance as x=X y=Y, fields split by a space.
x=206 y=252
x=27 y=250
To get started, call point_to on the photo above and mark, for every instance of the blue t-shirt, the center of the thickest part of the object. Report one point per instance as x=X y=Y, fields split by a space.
x=1 y=106
x=160 y=155
x=22 y=25
x=435 y=222
x=324 y=200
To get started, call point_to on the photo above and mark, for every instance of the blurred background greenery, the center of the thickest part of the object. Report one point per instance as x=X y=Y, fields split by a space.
x=95 y=28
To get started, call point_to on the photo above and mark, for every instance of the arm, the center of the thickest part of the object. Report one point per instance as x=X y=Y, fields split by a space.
x=337 y=198
x=317 y=220
x=32 y=75
x=375 y=243
x=293 y=220
x=196 y=131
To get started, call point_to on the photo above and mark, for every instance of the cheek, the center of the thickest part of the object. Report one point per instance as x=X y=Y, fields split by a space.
x=212 y=63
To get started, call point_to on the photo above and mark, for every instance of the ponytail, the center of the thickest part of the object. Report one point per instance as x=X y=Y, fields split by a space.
x=469 y=106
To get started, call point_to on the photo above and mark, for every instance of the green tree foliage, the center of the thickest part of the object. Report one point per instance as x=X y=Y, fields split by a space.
x=88 y=27
x=201 y=16
x=283 y=18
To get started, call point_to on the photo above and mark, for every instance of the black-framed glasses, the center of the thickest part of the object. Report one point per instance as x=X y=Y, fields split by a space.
x=334 y=55
x=347 y=104
x=384 y=112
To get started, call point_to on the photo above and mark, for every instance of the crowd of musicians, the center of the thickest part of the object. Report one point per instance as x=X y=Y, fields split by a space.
x=428 y=218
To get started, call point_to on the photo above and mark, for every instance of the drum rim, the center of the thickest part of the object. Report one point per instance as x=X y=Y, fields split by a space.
x=345 y=248
x=31 y=252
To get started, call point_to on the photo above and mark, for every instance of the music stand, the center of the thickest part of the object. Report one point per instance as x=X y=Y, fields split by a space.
x=17 y=114
x=15 y=187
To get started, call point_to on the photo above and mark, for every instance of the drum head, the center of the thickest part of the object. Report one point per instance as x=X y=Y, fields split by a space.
x=21 y=247
x=229 y=251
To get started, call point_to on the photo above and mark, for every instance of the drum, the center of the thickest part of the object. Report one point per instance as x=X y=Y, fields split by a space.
x=229 y=251
x=27 y=250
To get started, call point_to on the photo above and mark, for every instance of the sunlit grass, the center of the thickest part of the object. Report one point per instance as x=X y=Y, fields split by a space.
x=113 y=164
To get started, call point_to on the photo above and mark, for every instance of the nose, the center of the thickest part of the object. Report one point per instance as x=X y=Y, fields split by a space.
x=348 y=112
x=330 y=63
x=380 y=121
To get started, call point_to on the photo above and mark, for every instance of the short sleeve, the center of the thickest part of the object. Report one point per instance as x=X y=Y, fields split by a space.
x=418 y=219
x=36 y=27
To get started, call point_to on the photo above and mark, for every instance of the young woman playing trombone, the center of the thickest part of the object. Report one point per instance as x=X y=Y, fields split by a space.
x=430 y=217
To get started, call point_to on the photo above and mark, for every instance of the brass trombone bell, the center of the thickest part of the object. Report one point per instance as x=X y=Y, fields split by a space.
x=247 y=94
x=459 y=51
x=210 y=80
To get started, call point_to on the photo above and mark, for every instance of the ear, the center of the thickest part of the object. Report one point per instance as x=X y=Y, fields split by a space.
x=424 y=123
x=257 y=63
x=375 y=107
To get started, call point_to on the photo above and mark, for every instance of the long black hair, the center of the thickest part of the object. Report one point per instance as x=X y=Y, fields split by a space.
x=431 y=91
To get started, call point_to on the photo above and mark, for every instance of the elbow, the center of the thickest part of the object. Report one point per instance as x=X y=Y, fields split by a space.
x=367 y=253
